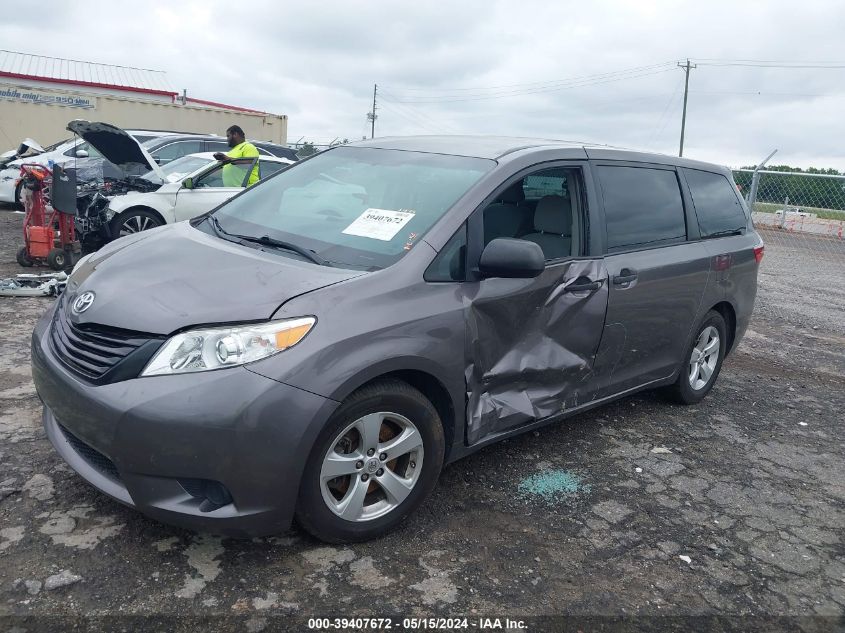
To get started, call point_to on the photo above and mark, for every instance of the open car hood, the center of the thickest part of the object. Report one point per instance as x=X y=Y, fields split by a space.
x=27 y=148
x=116 y=146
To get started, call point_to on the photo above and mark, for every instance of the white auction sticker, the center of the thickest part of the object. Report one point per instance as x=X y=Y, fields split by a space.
x=379 y=224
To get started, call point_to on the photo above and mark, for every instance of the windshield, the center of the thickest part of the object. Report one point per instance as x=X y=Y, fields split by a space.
x=352 y=206
x=176 y=170
x=59 y=144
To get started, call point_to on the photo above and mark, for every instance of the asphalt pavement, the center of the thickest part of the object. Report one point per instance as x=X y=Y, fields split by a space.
x=641 y=510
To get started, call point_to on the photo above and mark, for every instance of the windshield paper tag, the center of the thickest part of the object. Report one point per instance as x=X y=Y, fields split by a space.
x=379 y=224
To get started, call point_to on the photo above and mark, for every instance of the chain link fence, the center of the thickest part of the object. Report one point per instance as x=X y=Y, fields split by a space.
x=801 y=218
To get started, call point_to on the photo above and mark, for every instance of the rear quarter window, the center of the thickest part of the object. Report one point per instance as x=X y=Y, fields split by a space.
x=642 y=207
x=716 y=205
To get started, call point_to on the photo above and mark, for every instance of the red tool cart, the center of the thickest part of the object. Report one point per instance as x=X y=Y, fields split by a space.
x=49 y=200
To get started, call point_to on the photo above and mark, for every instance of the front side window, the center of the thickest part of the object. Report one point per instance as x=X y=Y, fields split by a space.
x=538 y=208
x=716 y=205
x=233 y=173
x=642 y=207
x=551 y=182
x=356 y=207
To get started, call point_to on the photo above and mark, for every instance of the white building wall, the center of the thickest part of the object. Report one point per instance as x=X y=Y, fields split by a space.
x=42 y=113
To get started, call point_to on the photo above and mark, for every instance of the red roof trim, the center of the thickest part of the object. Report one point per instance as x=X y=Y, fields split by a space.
x=223 y=105
x=74 y=82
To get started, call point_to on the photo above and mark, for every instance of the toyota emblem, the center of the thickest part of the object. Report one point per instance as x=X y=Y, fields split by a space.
x=83 y=302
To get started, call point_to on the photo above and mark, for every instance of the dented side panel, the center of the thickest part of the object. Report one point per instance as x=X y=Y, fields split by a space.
x=531 y=346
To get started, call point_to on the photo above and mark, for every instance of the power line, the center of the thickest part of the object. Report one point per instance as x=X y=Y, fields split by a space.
x=387 y=97
x=486 y=92
x=534 y=83
x=787 y=65
x=415 y=122
x=514 y=93
x=657 y=129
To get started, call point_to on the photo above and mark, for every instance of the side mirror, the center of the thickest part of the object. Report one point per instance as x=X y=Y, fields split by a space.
x=81 y=153
x=188 y=183
x=512 y=258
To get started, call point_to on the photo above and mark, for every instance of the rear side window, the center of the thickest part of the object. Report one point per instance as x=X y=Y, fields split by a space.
x=268 y=168
x=176 y=150
x=642 y=207
x=716 y=205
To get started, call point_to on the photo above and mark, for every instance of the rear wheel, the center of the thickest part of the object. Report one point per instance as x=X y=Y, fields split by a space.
x=19 y=195
x=377 y=459
x=23 y=257
x=134 y=221
x=702 y=360
x=57 y=259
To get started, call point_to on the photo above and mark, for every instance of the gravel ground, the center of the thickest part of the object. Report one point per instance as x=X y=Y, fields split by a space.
x=642 y=509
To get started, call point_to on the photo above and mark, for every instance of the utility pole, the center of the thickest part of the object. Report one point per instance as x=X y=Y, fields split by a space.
x=372 y=115
x=686 y=68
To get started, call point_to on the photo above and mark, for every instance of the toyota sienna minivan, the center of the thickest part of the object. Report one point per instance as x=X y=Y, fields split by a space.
x=319 y=346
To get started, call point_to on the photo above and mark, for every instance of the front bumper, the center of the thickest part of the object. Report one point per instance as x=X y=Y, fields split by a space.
x=140 y=440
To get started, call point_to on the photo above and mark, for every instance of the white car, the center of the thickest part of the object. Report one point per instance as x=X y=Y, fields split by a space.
x=191 y=186
x=59 y=153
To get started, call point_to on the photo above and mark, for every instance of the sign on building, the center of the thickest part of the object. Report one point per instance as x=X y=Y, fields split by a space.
x=27 y=95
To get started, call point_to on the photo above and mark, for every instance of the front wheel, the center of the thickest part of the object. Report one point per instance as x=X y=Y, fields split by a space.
x=702 y=360
x=133 y=221
x=376 y=460
x=57 y=259
x=19 y=195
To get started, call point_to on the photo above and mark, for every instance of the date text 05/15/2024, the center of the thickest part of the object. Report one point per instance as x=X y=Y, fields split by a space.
x=416 y=624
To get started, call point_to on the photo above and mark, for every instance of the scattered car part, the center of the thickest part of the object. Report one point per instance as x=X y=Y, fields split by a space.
x=27 y=285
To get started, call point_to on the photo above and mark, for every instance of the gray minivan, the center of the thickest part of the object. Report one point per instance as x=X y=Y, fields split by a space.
x=319 y=346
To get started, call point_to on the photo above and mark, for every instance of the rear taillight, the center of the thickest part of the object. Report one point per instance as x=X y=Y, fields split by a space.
x=758 y=253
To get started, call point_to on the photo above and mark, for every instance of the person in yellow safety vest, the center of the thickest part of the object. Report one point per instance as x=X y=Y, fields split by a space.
x=233 y=175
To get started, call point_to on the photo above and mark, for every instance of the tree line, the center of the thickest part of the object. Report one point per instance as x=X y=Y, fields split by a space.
x=803 y=190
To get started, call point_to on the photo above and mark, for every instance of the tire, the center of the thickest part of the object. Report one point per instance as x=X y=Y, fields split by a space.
x=133 y=221
x=58 y=259
x=18 y=192
x=322 y=499
x=23 y=257
x=699 y=372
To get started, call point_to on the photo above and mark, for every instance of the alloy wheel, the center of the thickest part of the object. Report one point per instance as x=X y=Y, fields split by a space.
x=136 y=224
x=704 y=358
x=372 y=466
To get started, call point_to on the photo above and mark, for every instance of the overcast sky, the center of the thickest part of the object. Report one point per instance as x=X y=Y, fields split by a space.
x=491 y=67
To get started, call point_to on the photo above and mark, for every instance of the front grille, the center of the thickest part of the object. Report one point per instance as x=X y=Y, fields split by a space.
x=91 y=350
x=91 y=455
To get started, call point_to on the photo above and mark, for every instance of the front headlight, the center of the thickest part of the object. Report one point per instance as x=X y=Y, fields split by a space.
x=216 y=348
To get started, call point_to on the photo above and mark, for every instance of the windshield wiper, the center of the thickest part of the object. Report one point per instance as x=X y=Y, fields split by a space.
x=266 y=240
x=725 y=233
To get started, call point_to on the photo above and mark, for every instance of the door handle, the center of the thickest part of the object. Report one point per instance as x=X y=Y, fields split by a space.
x=585 y=285
x=625 y=276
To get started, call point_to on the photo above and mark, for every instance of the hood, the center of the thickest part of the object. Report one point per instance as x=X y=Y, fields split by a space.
x=175 y=276
x=116 y=145
x=27 y=148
